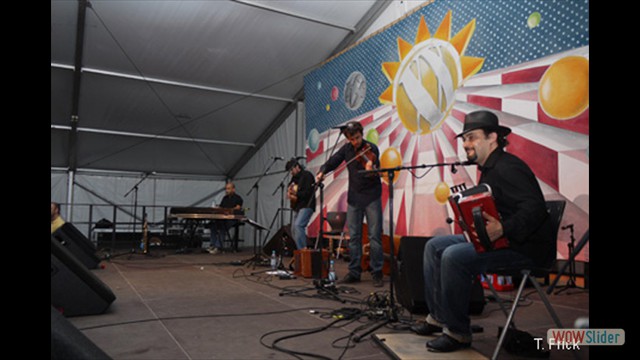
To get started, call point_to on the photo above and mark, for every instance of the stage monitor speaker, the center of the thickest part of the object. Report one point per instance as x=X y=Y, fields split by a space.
x=282 y=242
x=409 y=278
x=78 y=244
x=67 y=342
x=74 y=289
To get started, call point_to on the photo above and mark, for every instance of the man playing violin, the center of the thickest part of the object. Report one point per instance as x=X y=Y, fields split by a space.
x=363 y=199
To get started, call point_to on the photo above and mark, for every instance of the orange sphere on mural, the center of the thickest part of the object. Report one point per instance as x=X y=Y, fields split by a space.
x=564 y=88
x=390 y=158
x=442 y=193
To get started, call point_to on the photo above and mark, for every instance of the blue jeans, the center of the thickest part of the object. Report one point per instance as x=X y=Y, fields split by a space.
x=450 y=265
x=355 y=216
x=219 y=232
x=299 y=229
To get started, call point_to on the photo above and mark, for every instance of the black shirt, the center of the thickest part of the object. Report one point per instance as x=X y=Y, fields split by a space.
x=230 y=201
x=363 y=188
x=521 y=205
x=305 y=181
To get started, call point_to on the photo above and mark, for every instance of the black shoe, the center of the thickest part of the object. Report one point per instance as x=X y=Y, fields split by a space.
x=377 y=280
x=425 y=329
x=445 y=343
x=349 y=279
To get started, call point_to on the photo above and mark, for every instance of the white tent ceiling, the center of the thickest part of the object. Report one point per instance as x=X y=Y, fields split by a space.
x=185 y=87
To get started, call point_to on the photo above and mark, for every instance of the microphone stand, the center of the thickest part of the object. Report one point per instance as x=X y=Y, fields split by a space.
x=391 y=314
x=257 y=258
x=571 y=283
x=572 y=255
x=135 y=208
x=280 y=211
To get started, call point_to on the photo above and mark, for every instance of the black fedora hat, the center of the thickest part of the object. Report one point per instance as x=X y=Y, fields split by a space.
x=483 y=119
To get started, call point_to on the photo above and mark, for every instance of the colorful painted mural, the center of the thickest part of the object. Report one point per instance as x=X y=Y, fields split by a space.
x=411 y=85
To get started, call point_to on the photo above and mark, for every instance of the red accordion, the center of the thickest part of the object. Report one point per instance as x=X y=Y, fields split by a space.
x=468 y=206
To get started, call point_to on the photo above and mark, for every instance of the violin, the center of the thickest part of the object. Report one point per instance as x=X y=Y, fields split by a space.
x=365 y=155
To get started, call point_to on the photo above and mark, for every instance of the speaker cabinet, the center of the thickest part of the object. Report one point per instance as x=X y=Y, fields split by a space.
x=77 y=244
x=74 y=289
x=67 y=342
x=310 y=263
x=410 y=274
x=409 y=278
x=282 y=242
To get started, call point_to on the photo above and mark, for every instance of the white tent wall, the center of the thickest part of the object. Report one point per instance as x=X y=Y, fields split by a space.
x=286 y=142
x=94 y=197
x=395 y=11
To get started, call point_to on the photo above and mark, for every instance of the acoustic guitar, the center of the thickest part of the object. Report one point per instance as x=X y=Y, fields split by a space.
x=292 y=192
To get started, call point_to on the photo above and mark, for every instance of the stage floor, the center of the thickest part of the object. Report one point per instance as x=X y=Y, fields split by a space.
x=200 y=306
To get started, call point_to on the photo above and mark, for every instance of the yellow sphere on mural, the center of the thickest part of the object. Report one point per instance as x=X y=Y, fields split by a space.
x=564 y=88
x=442 y=193
x=390 y=158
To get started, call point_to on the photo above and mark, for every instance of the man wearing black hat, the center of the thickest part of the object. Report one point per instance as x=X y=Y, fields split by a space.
x=303 y=201
x=451 y=263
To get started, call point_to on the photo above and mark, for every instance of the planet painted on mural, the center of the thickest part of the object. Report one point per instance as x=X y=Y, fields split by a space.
x=355 y=90
x=335 y=93
x=533 y=20
x=372 y=136
x=313 y=140
x=319 y=85
x=563 y=91
x=423 y=83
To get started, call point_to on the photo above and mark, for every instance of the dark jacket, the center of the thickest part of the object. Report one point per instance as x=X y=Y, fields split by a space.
x=306 y=194
x=521 y=205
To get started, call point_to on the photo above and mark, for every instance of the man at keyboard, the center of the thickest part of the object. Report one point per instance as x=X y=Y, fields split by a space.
x=451 y=263
x=219 y=228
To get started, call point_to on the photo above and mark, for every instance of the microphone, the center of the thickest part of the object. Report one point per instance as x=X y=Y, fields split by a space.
x=277 y=157
x=147 y=173
x=341 y=127
x=300 y=157
x=464 y=163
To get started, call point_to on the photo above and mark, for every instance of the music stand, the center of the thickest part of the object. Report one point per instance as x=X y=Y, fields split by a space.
x=257 y=258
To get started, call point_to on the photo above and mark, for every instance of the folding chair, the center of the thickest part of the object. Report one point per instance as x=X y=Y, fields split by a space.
x=555 y=208
x=337 y=221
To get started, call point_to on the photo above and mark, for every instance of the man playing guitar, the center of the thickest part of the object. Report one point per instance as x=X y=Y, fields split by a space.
x=303 y=202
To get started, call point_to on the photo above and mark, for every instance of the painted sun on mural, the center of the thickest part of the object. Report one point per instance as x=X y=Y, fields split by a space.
x=424 y=81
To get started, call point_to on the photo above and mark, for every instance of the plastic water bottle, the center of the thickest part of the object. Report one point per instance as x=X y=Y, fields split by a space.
x=274 y=260
x=332 y=272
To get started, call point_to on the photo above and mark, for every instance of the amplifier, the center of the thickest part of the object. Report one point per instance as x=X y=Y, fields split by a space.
x=310 y=263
